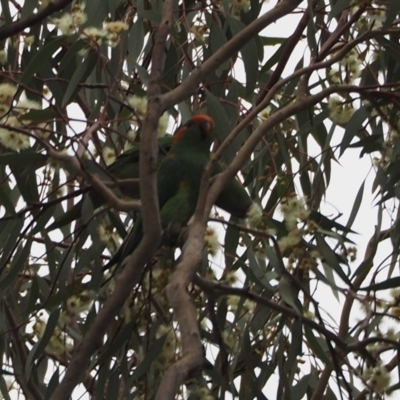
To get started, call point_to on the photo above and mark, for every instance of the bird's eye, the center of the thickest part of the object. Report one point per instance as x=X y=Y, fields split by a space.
x=207 y=126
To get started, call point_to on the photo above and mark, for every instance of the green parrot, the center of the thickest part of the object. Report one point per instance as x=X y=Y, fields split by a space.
x=178 y=182
x=233 y=199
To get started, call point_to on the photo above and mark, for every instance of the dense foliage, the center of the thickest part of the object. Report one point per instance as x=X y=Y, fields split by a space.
x=280 y=305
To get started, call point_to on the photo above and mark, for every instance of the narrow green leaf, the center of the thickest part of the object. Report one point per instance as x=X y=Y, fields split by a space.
x=272 y=41
x=9 y=236
x=217 y=112
x=136 y=38
x=295 y=349
x=274 y=59
x=113 y=385
x=249 y=55
x=24 y=159
x=69 y=58
x=45 y=115
x=153 y=16
x=390 y=283
x=312 y=34
x=258 y=273
x=300 y=389
x=352 y=127
x=217 y=40
x=28 y=9
x=328 y=224
x=369 y=144
x=61 y=274
x=40 y=372
x=152 y=354
x=18 y=263
x=6 y=202
x=391 y=13
x=289 y=295
x=330 y=258
x=102 y=379
x=53 y=383
x=356 y=206
x=39 y=347
x=318 y=189
x=338 y=8
x=330 y=279
x=42 y=57
x=276 y=262
x=5 y=6
x=115 y=343
x=44 y=290
x=318 y=346
x=79 y=76
x=43 y=218
x=32 y=297
x=3 y=388
x=305 y=182
x=27 y=183
x=330 y=395
x=96 y=10
x=171 y=68
x=231 y=243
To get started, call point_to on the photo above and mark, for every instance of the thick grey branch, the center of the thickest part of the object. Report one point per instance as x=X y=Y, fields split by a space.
x=152 y=236
x=185 y=313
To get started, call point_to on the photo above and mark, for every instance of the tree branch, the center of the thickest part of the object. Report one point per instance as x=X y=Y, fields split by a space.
x=291 y=43
x=18 y=26
x=177 y=289
x=95 y=182
x=345 y=315
x=132 y=272
x=223 y=290
x=185 y=313
x=20 y=351
x=244 y=153
x=189 y=86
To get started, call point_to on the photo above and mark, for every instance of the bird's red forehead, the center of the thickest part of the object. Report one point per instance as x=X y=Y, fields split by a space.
x=203 y=118
x=200 y=119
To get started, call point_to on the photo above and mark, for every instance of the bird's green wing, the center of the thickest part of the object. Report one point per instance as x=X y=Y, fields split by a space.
x=176 y=213
x=178 y=182
x=234 y=198
x=170 y=176
x=126 y=166
x=128 y=245
x=168 y=182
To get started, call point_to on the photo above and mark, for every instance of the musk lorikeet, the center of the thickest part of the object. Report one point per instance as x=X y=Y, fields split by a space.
x=233 y=199
x=178 y=182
